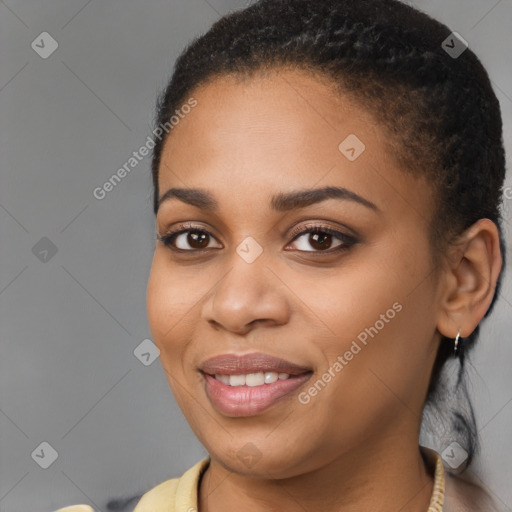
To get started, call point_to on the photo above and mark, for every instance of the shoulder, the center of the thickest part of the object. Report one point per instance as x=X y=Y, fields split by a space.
x=76 y=508
x=182 y=492
x=161 y=496
x=463 y=495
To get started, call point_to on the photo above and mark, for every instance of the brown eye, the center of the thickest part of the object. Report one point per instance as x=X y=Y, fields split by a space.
x=321 y=239
x=189 y=240
x=196 y=239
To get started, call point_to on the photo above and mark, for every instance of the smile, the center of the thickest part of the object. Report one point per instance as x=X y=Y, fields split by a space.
x=248 y=384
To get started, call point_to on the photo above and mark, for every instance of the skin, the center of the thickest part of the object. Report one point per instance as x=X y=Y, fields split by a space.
x=354 y=446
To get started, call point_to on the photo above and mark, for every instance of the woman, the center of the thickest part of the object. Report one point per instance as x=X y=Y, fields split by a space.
x=327 y=183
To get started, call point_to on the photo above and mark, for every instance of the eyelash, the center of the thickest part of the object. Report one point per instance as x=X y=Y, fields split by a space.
x=347 y=240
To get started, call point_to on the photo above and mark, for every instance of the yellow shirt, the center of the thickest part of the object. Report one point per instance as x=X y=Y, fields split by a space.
x=449 y=493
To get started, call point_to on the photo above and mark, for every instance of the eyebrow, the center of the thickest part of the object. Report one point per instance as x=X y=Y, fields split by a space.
x=281 y=202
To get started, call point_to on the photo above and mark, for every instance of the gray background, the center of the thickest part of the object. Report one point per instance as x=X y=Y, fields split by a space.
x=69 y=325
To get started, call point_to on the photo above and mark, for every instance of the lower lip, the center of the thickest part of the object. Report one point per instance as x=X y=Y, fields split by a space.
x=249 y=400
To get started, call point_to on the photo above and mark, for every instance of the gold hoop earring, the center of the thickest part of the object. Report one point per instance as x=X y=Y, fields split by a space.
x=456 y=347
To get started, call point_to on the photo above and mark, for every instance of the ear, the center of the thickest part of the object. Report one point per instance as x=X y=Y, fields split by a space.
x=474 y=263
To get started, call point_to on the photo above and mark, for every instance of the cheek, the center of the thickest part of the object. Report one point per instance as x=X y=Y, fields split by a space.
x=168 y=300
x=382 y=319
x=350 y=300
x=168 y=309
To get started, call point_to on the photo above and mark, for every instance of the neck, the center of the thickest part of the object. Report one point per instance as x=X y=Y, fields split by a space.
x=385 y=478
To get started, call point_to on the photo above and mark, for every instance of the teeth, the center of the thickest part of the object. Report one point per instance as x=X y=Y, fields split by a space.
x=237 y=380
x=252 y=379
x=271 y=377
x=255 y=379
x=223 y=378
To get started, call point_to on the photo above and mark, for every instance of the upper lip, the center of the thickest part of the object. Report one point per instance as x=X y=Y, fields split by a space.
x=233 y=364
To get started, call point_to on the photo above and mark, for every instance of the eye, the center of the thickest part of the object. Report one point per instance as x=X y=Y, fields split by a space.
x=187 y=238
x=322 y=238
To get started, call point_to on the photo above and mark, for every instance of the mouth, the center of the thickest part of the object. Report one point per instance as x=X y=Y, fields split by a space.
x=247 y=385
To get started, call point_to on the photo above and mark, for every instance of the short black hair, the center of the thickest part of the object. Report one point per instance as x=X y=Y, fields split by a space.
x=440 y=112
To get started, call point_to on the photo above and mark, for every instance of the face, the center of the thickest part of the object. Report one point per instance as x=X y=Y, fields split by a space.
x=316 y=310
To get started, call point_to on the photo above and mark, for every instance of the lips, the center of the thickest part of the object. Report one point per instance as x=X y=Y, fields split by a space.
x=234 y=386
x=231 y=364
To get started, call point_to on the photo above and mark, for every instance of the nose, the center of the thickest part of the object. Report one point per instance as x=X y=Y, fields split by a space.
x=247 y=295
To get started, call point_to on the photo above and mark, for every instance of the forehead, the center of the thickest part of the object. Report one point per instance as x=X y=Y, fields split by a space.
x=289 y=104
x=286 y=129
